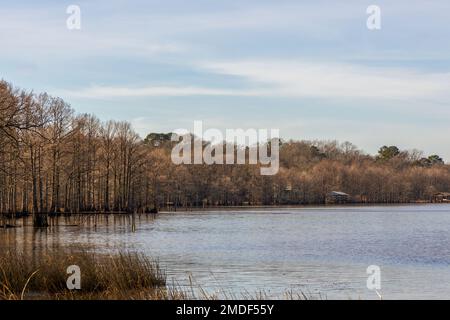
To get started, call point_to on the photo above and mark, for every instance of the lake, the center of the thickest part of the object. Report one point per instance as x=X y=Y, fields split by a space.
x=321 y=251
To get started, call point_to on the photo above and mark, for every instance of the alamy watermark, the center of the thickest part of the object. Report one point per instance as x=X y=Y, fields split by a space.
x=237 y=146
x=73 y=22
x=374 y=19
x=74 y=280
x=374 y=279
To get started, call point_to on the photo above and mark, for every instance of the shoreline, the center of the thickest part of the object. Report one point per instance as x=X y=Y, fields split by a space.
x=230 y=208
x=312 y=206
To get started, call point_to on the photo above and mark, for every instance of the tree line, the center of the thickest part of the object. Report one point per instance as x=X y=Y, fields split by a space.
x=54 y=161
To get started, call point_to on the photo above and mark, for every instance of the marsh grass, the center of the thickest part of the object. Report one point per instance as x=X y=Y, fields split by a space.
x=114 y=276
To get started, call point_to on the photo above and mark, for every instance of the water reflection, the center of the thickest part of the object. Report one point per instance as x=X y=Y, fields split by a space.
x=69 y=230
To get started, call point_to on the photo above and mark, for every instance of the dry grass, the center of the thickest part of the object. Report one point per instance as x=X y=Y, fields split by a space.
x=118 y=276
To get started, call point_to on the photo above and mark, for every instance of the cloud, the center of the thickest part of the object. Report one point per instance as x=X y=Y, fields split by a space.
x=334 y=80
x=296 y=79
x=102 y=92
x=40 y=34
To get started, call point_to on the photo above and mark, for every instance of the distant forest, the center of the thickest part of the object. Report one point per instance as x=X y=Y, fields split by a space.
x=55 y=161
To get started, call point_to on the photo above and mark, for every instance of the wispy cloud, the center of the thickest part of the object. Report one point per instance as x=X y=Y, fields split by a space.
x=295 y=79
x=42 y=33
x=328 y=80
x=102 y=92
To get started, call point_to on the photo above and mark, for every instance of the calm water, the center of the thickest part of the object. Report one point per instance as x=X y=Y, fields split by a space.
x=320 y=251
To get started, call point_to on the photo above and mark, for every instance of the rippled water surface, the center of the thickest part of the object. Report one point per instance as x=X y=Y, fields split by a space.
x=320 y=251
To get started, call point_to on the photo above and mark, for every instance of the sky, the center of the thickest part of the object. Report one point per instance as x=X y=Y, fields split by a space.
x=309 y=68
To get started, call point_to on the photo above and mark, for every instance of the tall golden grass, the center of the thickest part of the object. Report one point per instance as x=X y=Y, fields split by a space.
x=114 y=276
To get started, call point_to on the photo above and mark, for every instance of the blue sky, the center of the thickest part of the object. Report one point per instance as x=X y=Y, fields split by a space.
x=310 y=68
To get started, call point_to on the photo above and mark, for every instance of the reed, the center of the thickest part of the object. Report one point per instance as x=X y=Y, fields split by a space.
x=115 y=276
